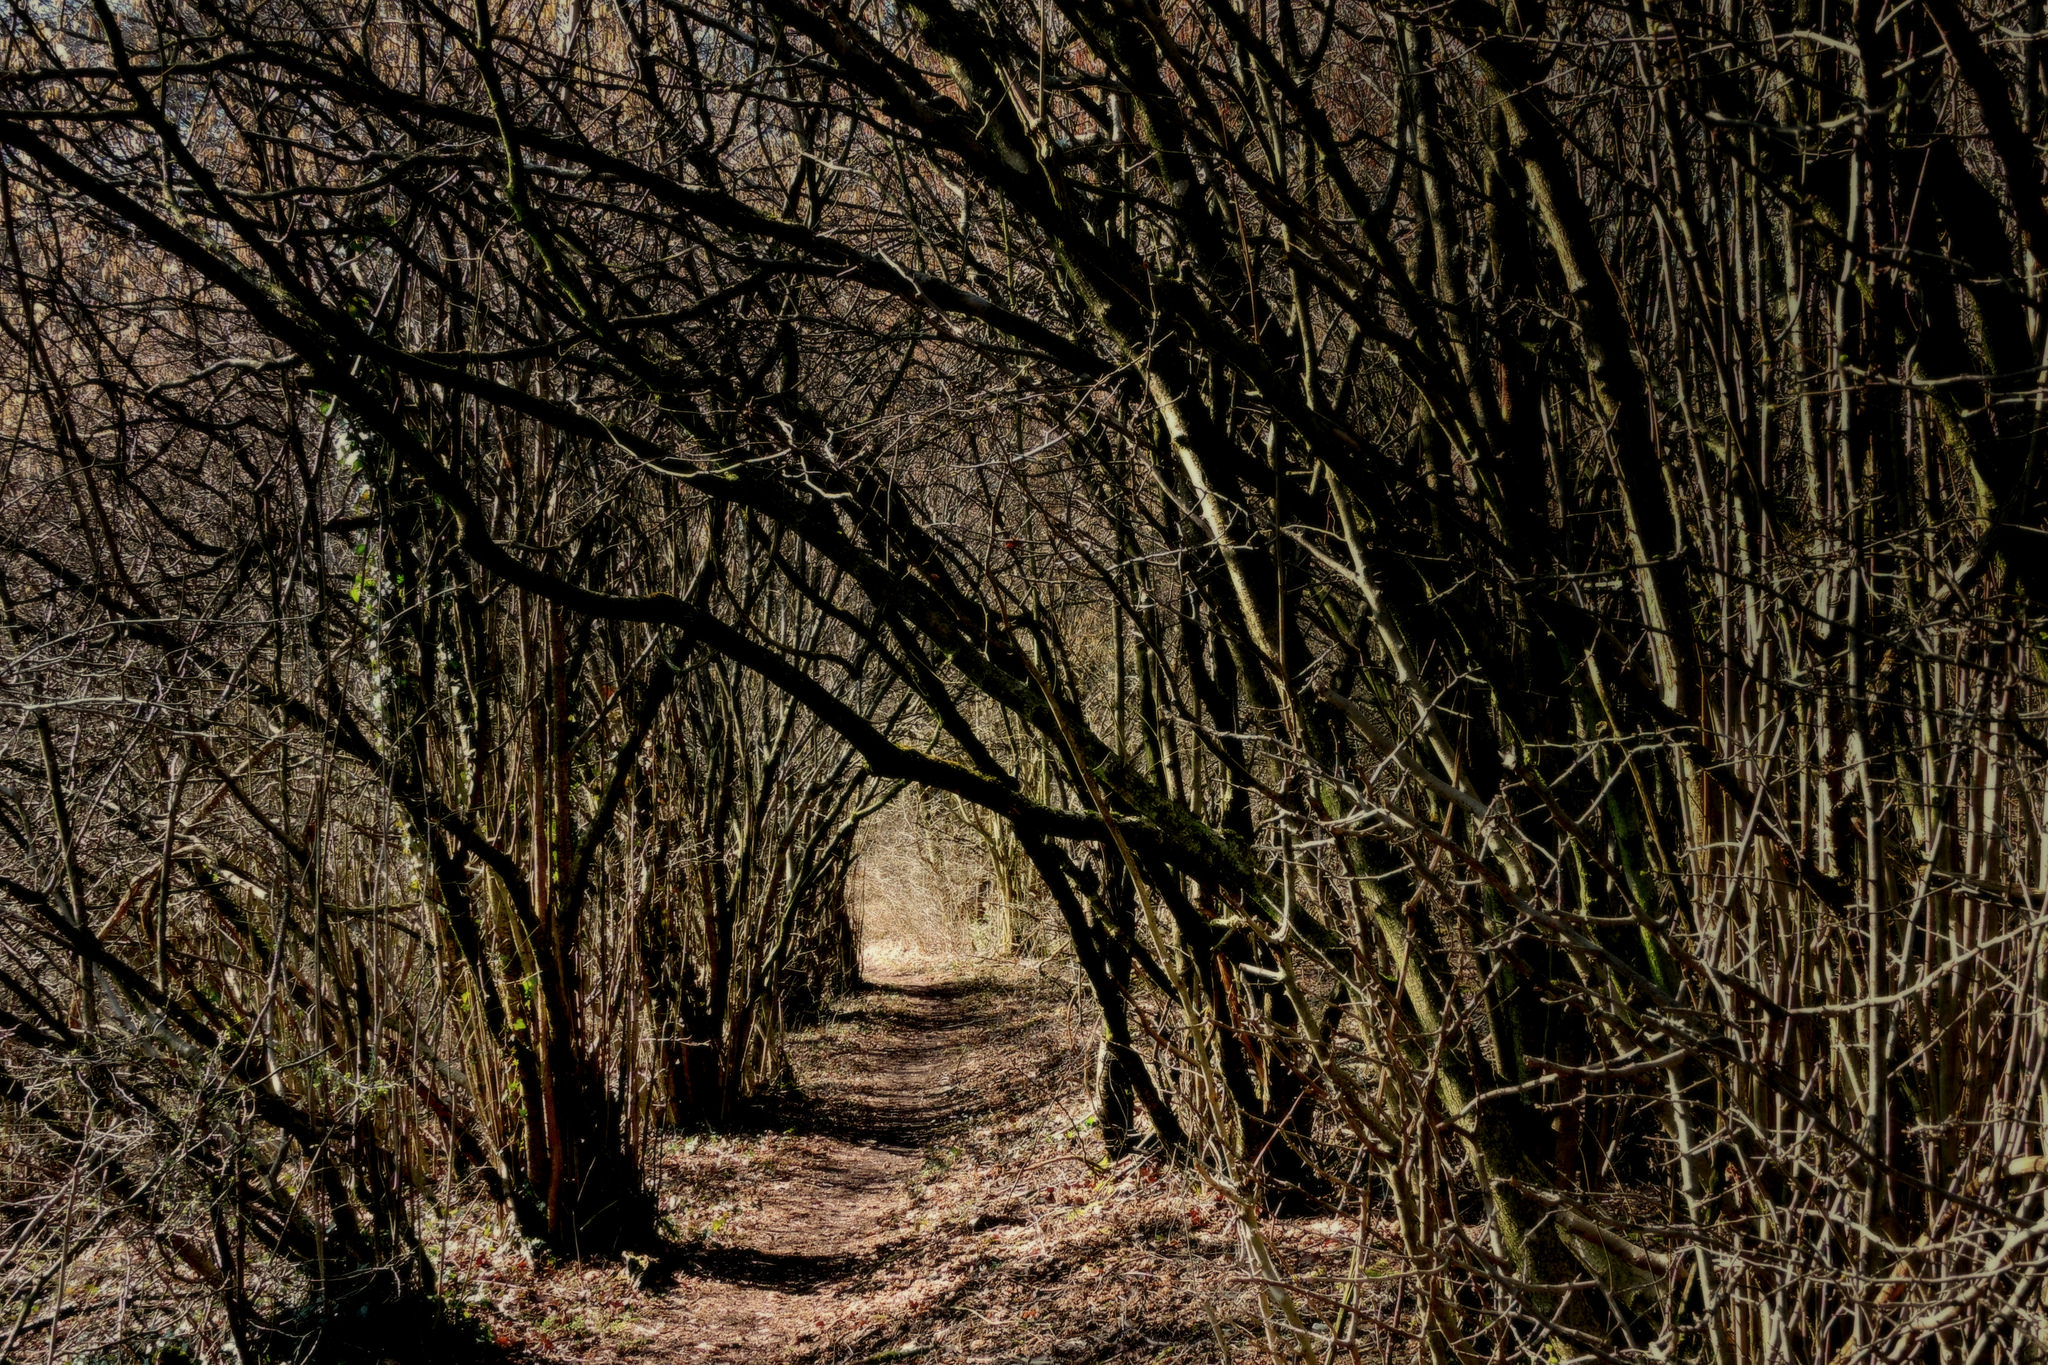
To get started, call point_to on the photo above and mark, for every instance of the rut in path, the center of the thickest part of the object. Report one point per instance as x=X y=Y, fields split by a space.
x=836 y=1198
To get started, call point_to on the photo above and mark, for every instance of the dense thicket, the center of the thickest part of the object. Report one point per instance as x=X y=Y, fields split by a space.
x=1488 y=556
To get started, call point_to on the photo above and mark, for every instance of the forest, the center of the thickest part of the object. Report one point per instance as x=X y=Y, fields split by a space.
x=1460 y=586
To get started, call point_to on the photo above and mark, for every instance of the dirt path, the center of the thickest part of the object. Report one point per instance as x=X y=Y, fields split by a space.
x=838 y=1185
x=932 y=1191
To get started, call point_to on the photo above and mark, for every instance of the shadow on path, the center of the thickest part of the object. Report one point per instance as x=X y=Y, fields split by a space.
x=889 y=1085
x=892 y=1068
x=789 y=1273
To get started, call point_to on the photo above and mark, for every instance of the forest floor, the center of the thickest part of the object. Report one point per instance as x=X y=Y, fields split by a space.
x=930 y=1188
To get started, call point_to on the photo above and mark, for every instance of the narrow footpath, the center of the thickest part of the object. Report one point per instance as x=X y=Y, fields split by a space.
x=886 y=1088
x=932 y=1189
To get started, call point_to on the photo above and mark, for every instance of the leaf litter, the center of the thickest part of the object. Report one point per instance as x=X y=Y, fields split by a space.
x=929 y=1186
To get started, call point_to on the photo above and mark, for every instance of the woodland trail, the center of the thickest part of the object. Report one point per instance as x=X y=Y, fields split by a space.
x=932 y=1189
x=838 y=1193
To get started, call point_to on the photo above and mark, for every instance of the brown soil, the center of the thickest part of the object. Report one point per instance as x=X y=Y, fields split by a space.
x=932 y=1189
x=824 y=1205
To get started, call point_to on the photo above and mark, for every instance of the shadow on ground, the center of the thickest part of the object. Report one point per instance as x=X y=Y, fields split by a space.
x=791 y=1273
x=882 y=1079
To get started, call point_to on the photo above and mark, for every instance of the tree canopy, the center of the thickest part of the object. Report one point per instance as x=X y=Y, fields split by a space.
x=1485 y=556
